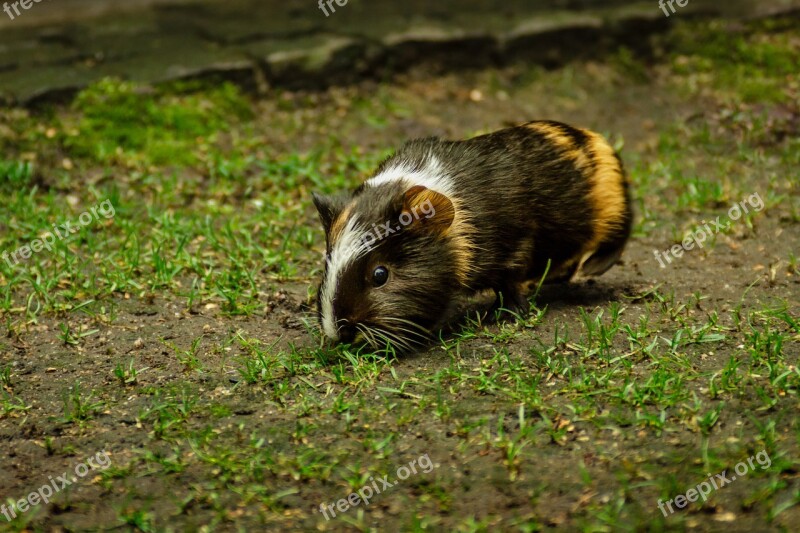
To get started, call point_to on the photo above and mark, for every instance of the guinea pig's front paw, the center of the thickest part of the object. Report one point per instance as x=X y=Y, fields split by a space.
x=510 y=304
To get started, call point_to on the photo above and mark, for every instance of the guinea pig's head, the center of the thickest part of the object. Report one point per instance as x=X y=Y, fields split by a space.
x=388 y=264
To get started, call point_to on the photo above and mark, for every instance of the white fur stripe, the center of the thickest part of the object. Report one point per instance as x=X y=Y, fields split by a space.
x=351 y=245
x=348 y=248
x=431 y=176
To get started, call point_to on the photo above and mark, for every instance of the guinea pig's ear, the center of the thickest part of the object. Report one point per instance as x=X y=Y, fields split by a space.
x=329 y=208
x=427 y=210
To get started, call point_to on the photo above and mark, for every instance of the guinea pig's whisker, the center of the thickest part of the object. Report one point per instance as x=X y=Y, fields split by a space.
x=407 y=322
x=420 y=334
x=383 y=337
x=387 y=338
x=396 y=339
x=383 y=334
x=378 y=337
x=369 y=334
x=399 y=336
x=406 y=341
x=392 y=344
x=411 y=332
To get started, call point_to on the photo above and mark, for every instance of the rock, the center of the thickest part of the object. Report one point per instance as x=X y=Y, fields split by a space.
x=57 y=48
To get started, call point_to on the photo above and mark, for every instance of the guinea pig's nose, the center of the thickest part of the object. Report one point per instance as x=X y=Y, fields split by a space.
x=347 y=332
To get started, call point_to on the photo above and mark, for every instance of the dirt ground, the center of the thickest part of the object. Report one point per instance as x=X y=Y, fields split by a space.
x=177 y=335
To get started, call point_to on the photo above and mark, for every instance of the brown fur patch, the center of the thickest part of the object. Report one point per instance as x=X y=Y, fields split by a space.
x=521 y=257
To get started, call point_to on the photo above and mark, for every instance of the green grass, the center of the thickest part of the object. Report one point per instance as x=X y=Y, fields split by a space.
x=751 y=64
x=180 y=332
x=120 y=122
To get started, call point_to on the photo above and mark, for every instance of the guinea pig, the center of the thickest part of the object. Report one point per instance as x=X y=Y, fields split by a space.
x=440 y=219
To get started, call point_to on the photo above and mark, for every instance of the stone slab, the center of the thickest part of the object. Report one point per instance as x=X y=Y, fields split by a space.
x=293 y=43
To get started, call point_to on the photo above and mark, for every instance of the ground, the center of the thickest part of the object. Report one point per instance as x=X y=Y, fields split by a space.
x=175 y=332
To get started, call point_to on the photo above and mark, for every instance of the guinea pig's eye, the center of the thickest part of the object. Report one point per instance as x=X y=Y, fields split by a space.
x=380 y=275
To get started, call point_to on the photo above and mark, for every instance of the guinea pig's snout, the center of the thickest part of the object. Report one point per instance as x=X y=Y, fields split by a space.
x=347 y=332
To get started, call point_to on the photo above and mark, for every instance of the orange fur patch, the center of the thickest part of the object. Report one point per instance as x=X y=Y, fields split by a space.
x=563 y=142
x=339 y=224
x=461 y=234
x=554 y=135
x=598 y=161
x=452 y=223
x=442 y=212
x=607 y=194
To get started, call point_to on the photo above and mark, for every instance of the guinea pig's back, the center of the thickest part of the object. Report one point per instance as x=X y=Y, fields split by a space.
x=542 y=191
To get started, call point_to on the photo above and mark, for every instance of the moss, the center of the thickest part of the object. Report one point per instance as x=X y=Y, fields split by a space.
x=157 y=127
x=741 y=63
